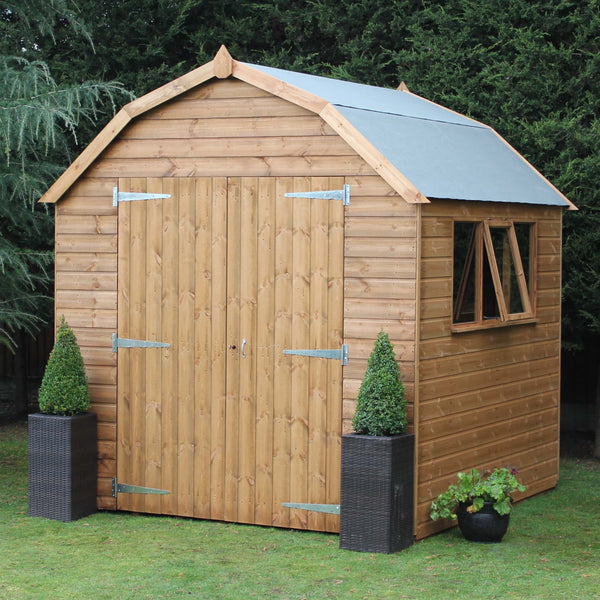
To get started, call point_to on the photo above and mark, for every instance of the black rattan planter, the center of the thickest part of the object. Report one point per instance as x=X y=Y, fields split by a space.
x=376 y=507
x=62 y=466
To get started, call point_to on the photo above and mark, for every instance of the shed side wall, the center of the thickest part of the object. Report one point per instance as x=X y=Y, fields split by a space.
x=229 y=128
x=86 y=294
x=379 y=285
x=487 y=398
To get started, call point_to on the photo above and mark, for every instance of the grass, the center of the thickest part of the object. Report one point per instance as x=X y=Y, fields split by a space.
x=551 y=551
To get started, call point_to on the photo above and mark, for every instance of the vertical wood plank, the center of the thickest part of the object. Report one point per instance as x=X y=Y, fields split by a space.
x=335 y=328
x=282 y=376
x=185 y=347
x=218 y=346
x=233 y=354
x=300 y=339
x=265 y=340
x=137 y=330
x=247 y=364
x=170 y=324
x=153 y=409
x=123 y=358
x=318 y=314
x=203 y=380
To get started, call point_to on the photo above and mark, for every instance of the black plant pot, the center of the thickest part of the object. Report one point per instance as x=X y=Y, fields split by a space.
x=376 y=505
x=62 y=466
x=486 y=525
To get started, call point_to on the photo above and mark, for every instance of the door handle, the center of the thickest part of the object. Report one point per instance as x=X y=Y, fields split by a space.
x=243 y=346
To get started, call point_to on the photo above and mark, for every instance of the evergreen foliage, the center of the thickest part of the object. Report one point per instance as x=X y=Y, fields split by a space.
x=528 y=68
x=64 y=389
x=380 y=406
x=39 y=120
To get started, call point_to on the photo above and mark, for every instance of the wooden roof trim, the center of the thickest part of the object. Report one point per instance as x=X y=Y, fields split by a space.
x=125 y=116
x=223 y=63
x=375 y=159
x=521 y=157
x=85 y=159
x=277 y=87
x=340 y=124
x=170 y=90
x=478 y=123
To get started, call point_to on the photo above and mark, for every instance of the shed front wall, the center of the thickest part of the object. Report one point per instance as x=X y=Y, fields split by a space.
x=488 y=397
x=227 y=128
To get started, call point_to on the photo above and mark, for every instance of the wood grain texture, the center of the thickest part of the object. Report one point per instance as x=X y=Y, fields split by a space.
x=487 y=397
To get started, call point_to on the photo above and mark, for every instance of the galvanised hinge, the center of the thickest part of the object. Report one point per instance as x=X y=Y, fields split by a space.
x=125 y=488
x=332 y=509
x=341 y=354
x=343 y=195
x=118 y=342
x=131 y=196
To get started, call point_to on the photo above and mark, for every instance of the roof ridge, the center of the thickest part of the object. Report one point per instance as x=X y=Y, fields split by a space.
x=474 y=123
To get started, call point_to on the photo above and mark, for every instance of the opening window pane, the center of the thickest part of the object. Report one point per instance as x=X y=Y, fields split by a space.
x=506 y=269
x=492 y=272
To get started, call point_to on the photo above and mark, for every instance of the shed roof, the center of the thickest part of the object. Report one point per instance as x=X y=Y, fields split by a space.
x=444 y=154
x=420 y=148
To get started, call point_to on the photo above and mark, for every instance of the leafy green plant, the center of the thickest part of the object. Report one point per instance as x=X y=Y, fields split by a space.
x=477 y=488
x=381 y=406
x=64 y=389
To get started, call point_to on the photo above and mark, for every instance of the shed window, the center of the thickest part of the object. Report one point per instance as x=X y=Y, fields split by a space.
x=493 y=273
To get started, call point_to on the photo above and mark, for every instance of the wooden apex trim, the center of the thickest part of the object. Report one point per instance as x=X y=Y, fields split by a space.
x=171 y=90
x=403 y=87
x=377 y=161
x=85 y=159
x=278 y=88
x=121 y=119
x=571 y=205
x=223 y=63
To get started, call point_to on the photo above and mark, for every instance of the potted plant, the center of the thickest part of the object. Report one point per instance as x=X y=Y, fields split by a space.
x=376 y=505
x=481 y=501
x=62 y=437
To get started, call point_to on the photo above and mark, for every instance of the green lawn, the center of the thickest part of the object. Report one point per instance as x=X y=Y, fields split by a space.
x=552 y=550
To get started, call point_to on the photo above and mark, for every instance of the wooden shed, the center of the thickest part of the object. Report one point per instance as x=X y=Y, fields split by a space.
x=194 y=282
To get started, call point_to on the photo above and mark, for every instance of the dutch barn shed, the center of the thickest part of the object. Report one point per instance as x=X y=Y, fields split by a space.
x=175 y=228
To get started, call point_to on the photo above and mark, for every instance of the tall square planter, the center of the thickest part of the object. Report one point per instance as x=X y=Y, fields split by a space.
x=376 y=505
x=62 y=466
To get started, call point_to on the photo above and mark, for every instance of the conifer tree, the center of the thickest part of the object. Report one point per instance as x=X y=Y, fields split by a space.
x=39 y=120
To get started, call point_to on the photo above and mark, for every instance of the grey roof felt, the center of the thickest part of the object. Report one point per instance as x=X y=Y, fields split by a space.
x=442 y=153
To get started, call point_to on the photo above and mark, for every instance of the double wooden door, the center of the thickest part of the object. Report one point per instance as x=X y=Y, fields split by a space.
x=230 y=272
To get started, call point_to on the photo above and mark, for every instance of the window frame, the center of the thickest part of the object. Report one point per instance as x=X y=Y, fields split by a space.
x=481 y=248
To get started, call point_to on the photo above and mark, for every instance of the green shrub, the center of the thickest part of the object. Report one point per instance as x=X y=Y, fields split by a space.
x=476 y=489
x=381 y=407
x=64 y=389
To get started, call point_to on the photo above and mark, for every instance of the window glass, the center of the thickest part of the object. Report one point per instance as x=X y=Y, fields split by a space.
x=489 y=302
x=492 y=272
x=524 y=232
x=506 y=270
x=464 y=272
